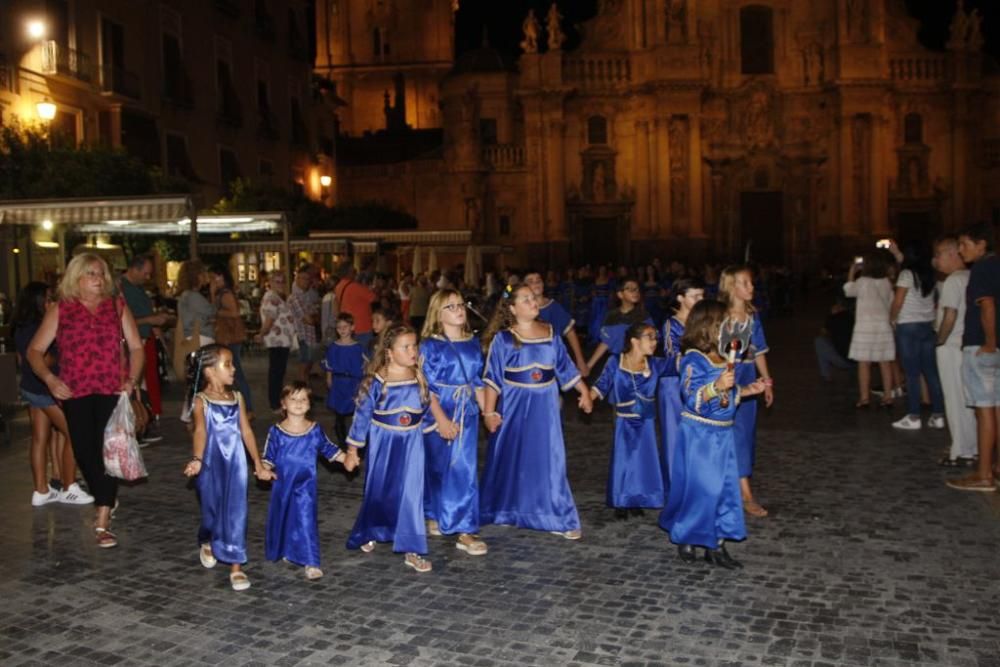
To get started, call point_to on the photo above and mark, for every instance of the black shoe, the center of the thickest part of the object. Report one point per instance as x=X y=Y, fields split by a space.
x=621 y=515
x=636 y=511
x=686 y=553
x=721 y=558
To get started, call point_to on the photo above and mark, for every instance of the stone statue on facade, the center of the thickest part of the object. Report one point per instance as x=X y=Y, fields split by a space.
x=530 y=26
x=857 y=20
x=758 y=121
x=958 y=28
x=812 y=64
x=676 y=21
x=974 y=31
x=556 y=36
x=599 y=183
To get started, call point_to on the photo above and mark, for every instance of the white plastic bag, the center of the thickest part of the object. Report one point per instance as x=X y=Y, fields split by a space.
x=121 y=450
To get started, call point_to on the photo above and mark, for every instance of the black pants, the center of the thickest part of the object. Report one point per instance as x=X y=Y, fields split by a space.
x=86 y=418
x=341 y=426
x=277 y=363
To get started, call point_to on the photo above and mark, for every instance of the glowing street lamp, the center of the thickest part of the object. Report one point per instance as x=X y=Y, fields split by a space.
x=325 y=180
x=46 y=110
x=36 y=29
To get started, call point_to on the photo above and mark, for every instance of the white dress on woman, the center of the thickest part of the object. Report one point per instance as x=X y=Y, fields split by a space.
x=872 y=339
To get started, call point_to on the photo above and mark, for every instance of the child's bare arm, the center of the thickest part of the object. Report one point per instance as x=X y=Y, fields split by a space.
x=250 y=442
x=197 y=438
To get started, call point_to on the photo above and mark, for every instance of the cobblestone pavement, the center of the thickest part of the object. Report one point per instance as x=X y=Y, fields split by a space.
x=867 y=559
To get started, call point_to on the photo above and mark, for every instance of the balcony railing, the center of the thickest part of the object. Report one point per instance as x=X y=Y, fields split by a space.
x=120 y=81
x=504 y=157
x=230 y=8
x=7 y=82
x=267 y=125
x=597 y=71
x=919 y=69
x=59 y=59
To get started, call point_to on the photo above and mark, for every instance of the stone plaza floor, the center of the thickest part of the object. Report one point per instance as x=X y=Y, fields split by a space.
x=867 y=559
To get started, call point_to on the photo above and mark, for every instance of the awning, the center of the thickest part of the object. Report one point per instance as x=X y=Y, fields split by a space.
x=152 y=209
x=404 y=236
x=236 y=223
x=338 y=246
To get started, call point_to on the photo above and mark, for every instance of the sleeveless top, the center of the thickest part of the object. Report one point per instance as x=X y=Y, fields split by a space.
x=90 y=347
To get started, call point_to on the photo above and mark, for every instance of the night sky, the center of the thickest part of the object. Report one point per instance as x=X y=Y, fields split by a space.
x=504 y=21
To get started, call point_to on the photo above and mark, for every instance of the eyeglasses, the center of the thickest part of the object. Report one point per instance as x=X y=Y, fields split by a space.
x=650 y=336
x=454 y=307
x=630 y=288
x=94 y=273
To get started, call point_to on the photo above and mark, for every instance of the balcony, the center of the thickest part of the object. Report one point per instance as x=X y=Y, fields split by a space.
x=504 y=157
x=597 y=71
x=267 y=125
x=230 y=8
x=7 y=83
x=919 y=70
x=58 y=59
x=119 y=81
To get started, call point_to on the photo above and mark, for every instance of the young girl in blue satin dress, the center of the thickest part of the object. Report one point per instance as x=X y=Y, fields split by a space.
x=736 y=291
x=551 y=312
x=628 y=312
x=685 y=293
x=452 y=363
x=221 y=433
x=703 y=506
x=600 y=295
x=628 y=382
x=524 y=481
x=291 y=450
x=392 y=400
x=344 y=366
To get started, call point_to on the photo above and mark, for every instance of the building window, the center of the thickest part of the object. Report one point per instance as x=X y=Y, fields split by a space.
x=380 y=43
x=488 y=131
x=229 y=170
x=504 y=225
x=913 y=129
x=114 y=77
x=178 y=161
x=229 y=108
x=757 y=40
x=597 y=130
x=300 y=133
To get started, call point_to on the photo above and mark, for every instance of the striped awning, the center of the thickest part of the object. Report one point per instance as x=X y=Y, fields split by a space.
x=77 y=212
x=339 y=246
x=417 y=236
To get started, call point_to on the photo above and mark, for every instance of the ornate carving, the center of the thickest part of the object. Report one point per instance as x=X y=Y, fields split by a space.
x=858 y=19
x=860 y=141
x=758 y=119
x=676 y=19
x=556 y=36
x=606 y=31
x=813 y=65
x=530 y=26
x=679 y=134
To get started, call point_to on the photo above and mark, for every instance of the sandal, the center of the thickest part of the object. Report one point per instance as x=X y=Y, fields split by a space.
x=206 y=556
x=887 y=403
x=105 y=538
x=368 y=547
x=239 y=580
x=972 y=483
x=574 y=534
x=862 y=404
x=958 y=462
x=471 y=545
x=433 y=529
x=753 y=508
x=417 y=562
x=313 y=573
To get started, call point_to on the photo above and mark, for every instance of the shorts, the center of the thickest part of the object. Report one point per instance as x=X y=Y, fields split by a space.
x=38 y=400
x=981 y=377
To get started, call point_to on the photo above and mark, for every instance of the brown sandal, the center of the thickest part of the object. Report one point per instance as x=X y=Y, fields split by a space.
x=753 y=508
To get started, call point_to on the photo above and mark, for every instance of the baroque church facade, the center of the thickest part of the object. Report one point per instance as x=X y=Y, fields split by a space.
x=788 y=131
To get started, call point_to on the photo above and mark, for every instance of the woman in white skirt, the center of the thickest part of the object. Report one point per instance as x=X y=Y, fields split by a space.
x=872 y=340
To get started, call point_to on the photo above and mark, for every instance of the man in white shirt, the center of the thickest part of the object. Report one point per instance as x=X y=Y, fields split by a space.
x=950 y=324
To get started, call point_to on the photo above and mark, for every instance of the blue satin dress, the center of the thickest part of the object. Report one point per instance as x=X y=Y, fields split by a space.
x=524 y=482
x=600 y=295
x=652 y=299
x=389 y=419
x=345 y=361
x=635 y=478
x=292 y=530
x=704 y=505
x=616 y=325
x=454 y=370
x=746 y=415
x=222 y=482
x=553 y=313
x=669 y=396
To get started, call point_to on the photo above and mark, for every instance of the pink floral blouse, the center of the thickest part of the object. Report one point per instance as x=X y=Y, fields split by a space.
x=273 y=307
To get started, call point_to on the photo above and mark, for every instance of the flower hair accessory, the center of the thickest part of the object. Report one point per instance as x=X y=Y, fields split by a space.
x=508 y=290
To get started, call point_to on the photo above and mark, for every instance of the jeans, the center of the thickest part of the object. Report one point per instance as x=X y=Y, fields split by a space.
x=828 y=358
x=915 y=343
x=277 y=363
x=241 y=379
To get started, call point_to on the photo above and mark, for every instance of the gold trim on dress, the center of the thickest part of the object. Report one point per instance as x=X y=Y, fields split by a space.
x=296 y=435
x=518 y=369
x=706 y=420
x=530 y=386
x=545 y=339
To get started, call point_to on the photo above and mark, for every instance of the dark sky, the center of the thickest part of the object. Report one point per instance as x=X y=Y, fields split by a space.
x=504 y=17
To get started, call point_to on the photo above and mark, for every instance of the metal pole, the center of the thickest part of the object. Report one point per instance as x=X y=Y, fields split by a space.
x=288 y=251
x=193 y=216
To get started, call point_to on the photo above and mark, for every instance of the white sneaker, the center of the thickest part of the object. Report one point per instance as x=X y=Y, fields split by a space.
x=907 y=423
x=39 y=499
x=74 y=495
x=935 y=421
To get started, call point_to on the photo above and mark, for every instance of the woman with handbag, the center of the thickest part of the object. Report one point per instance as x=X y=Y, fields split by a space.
x=230 y=330
x=277 y=331
x=195 y=318
x=89 y=324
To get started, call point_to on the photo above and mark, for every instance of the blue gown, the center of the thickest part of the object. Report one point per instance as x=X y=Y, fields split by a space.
x=746 y=415
x=346 y=362
x=566 y=295
x=222 y=482
x=635 y=477
x=389 y=419
x=292 y=531
x=454 y=370
x=704 y=505
x=616 y=325
x=600 y=295
x=524 y=481
x=553 y=313
x=669 y=397
x=652 y=299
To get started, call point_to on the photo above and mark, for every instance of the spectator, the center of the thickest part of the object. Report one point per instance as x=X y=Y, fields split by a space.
x=88 y=325
x=871 y=340
x=834 y=342
x=420 y=298
x=356 y=299
x=277 y=331
x=304 y=304
x=192 y=306
x=230 y=330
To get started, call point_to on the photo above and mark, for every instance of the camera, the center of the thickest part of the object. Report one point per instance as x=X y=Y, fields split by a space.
x=884 y=244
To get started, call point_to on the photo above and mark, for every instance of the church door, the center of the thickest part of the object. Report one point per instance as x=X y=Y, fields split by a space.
x=762 y=227
x=600 y=241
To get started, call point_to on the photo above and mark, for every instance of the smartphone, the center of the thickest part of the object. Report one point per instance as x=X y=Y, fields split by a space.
x=859 y=259
x=883 y=243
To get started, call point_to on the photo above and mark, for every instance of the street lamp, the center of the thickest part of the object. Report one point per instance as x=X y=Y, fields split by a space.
x=325 y=180
x=46 y=110
x=36 y=29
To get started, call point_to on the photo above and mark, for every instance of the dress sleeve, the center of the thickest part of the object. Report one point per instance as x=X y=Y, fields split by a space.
x=606 y=382
x=430 y=364
x=567 y=373
x=697 y=376
x=363 y=415
x=851 y=289
x=495 y=360
x=476 y=372
x=613 y=335
x=326 y=448
x=272 y=445
x=757 y=339
x=661 y=366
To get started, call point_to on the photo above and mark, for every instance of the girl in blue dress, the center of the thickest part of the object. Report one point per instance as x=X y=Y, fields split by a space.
x=628 y=382
x=291 y=449
x=685 y=293
x=221 y=433
x=344 y=366
x=452 y=363
x=628 y=312
x=600 y=295
x=551 y=312
x=736 y=291
x=652 y=295
x=703 y=506
x=524 y=481
x=392 y=400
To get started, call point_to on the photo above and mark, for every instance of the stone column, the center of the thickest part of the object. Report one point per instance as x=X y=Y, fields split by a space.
x=844 y=218
x=656 y=166
x=556 y=174
x=665 y=227
x=696 y=228
x=880 y=151
x=641 y=177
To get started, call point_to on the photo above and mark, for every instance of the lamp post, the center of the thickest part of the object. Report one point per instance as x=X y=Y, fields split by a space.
x=36 y=29
x=325 y=181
